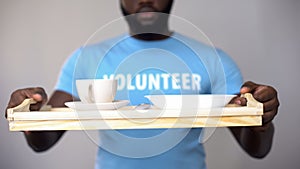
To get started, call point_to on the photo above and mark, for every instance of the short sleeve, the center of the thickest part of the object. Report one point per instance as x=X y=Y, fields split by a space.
x=231 y=72
x=66 y=78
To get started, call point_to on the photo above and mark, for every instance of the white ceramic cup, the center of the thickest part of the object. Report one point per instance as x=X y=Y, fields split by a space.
x=96 y=90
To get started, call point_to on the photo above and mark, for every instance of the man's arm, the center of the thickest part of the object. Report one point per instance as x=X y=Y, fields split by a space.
x=257 y=141
x=40 y=140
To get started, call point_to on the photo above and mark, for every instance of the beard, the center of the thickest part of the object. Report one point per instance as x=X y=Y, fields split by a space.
x=149 y=23
x=167 y=10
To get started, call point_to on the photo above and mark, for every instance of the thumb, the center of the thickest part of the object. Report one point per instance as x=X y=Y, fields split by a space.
x=37 y=97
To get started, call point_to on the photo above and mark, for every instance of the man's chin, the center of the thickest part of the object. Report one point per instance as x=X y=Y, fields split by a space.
x=147 y=18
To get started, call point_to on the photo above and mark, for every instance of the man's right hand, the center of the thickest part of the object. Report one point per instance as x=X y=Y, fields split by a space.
x=40 y=140
x=18 y=96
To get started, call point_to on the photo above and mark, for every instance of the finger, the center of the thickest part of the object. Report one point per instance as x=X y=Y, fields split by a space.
x=37 y=93
x=271 y=105
x=239 y=101
x=40 y=95
x=18 y=96
x=39 y=102
x=37 y=97
x=248 y=87
x=270 y=110
x=264 y=93
x=268 y=116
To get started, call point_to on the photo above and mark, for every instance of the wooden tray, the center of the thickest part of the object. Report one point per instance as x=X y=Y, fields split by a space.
x=20 y=118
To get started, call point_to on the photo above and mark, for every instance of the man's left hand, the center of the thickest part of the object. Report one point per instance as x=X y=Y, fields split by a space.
x=266 y=95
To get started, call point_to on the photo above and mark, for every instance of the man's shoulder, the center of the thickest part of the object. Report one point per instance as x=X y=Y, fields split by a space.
x=198 y=43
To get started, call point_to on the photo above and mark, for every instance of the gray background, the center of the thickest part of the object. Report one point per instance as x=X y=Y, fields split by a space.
x=36 y=36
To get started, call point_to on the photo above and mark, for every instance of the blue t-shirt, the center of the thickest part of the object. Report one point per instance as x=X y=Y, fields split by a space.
x=176 y=65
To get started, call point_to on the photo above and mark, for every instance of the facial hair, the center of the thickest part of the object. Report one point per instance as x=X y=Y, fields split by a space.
x=147 y=31
x=167 y=10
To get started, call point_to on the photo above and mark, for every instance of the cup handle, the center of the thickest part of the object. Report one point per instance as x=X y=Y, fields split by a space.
x=91 y=97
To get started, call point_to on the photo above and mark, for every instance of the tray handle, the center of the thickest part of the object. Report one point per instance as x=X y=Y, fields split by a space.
x=23 y=107
x=252 y=102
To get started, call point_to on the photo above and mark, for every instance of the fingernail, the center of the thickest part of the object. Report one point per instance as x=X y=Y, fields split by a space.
x=244 y=89
x=37 y=97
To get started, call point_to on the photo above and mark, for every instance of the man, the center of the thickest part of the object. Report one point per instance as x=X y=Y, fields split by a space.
x=153 y=59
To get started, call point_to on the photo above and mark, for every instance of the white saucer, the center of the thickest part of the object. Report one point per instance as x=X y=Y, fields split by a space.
x=97 y=106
